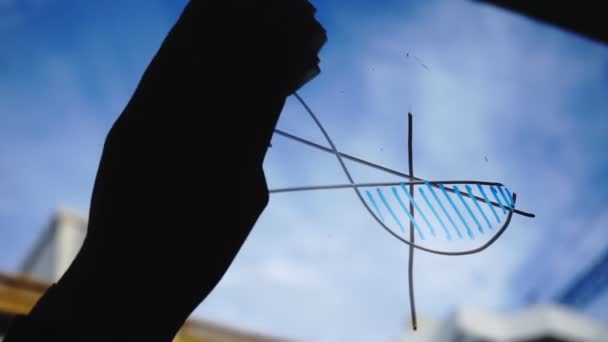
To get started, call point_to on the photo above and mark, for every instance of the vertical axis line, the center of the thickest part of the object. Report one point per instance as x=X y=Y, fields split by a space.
x=412 y=236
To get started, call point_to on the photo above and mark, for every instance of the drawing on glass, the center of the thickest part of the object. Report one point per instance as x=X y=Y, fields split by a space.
x=447 y=217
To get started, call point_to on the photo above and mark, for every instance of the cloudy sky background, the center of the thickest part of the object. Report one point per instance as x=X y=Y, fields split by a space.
x=529 y=97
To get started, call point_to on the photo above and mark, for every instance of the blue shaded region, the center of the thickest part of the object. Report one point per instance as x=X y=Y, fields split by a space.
x=411 y=198
x=445 y=193
x=371 y=199
x=588 y=285
x=445 y=229
x=407 y=212
x=470 y=192
x=445 y=212
x=495 y=193
x=483 y=193
x=468 y=209
x=390 y=210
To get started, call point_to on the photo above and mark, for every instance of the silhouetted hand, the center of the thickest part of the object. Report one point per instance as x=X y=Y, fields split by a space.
x=180 y=182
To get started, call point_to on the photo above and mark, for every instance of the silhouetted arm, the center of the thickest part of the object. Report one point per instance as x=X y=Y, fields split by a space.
x=180 y=183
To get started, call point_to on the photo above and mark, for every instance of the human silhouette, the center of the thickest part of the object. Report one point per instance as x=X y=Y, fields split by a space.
x=175 y=196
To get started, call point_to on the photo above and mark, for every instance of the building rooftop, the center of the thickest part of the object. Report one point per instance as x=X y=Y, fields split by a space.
x=554 y=322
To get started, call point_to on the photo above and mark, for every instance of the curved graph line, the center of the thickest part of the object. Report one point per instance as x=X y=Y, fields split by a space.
x=355 y=187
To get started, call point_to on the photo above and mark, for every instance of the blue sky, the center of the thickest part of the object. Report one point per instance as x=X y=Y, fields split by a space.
x=527 y=96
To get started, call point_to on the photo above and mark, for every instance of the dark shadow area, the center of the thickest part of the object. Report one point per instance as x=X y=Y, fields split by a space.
x=171 y=194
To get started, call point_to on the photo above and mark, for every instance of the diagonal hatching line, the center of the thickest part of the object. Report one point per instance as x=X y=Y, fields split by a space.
x=445 y=193
x=495 y=193
x=407 y=212
x=390 y=210
x=371 y=199
x=468 y=209
x=470 y=191
x=443 y=209
x=503 y=196
x=411 y=199
x=445 y=229
x=483 y=193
